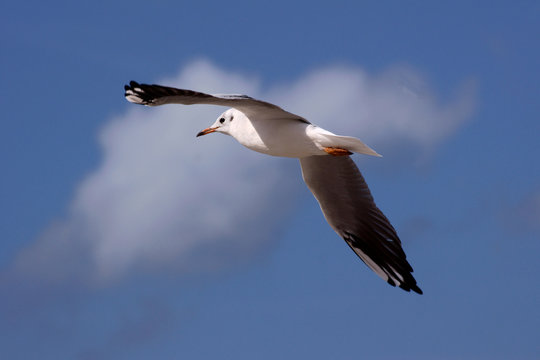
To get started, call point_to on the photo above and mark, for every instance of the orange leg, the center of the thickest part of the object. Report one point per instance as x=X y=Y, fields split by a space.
x=337 y=151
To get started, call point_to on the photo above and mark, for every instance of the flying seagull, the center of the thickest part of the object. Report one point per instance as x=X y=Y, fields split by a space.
x=327 y=169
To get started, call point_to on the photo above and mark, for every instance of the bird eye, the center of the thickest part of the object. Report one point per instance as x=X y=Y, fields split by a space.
x=222 y=120
x=232 y=117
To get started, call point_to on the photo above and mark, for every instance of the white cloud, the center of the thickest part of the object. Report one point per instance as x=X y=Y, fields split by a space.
x=163 y=199
x=394 y=106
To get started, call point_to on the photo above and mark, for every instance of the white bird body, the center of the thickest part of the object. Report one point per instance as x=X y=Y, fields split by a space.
x=289 y=139
x=284 y=137
x=327 y=169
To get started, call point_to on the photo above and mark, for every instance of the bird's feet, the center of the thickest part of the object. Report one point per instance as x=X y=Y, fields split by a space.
x=337 y=151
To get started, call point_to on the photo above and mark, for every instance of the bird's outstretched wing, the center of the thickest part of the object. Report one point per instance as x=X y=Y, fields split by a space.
x=154 y=95
x=348 y=206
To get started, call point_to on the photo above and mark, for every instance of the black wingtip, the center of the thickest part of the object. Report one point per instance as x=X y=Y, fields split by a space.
x=409 y=287
x=416 y=289
x=134 y=93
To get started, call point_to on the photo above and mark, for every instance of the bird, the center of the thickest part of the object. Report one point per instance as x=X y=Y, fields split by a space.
x=327 y=169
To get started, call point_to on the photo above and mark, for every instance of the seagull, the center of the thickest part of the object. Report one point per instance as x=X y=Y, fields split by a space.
x=327 y=169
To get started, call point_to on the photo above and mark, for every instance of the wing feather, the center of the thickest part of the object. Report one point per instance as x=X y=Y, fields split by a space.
x=155 y=95
x=348 y=206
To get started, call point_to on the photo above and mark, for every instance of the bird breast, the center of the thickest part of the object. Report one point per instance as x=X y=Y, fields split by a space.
x=278 y=137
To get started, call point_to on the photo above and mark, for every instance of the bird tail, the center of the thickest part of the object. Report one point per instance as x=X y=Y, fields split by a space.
x=349 y=143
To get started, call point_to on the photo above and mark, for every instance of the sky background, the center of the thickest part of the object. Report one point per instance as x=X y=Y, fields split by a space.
x=125 y=237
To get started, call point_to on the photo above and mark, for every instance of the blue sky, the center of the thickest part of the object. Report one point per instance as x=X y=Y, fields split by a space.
x=125 y=237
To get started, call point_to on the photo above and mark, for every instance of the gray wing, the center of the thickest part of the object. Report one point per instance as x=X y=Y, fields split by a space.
x=348 y=206
x=154 y=95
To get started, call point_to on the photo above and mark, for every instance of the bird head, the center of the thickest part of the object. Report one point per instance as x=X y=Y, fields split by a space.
x=221 y=125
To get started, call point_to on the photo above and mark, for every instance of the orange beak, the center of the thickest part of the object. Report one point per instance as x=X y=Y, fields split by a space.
x=207 y=131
